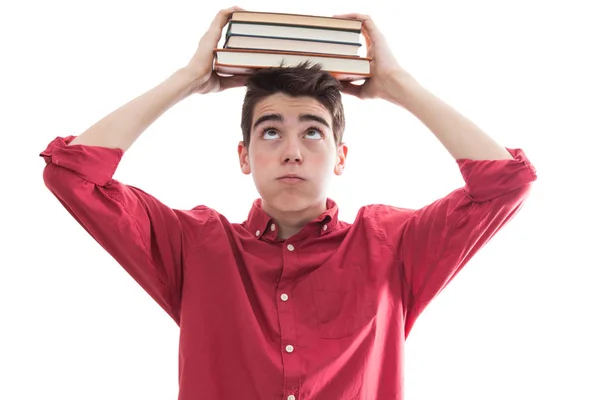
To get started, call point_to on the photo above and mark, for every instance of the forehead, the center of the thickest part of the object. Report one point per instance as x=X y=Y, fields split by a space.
x=280 y=103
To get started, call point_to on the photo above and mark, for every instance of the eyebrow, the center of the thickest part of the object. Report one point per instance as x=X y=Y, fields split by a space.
x=301 y=118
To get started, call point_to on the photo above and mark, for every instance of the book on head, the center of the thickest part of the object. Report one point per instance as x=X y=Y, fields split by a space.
x=294 y=45
x=292 y=32
x=297 y=19
x=256 y=40
x=245 y=62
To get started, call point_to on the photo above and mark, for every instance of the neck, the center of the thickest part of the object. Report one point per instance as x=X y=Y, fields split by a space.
x=290 y=222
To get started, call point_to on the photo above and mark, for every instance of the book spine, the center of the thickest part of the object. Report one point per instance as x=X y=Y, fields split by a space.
x=297 y=39
x=300 y=16
x=297 y=25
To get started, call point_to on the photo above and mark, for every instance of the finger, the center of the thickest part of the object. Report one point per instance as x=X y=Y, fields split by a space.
x=228 y=82
x=351 y=89
x=215 y=29
x=223 y=17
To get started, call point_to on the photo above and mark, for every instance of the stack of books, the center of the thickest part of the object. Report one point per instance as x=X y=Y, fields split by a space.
x=256 y=40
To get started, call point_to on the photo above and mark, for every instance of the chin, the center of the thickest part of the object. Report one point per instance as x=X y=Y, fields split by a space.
x=291 y=201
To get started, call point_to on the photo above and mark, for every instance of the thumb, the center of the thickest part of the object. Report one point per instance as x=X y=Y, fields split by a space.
x=351 y=89
x=228 y=82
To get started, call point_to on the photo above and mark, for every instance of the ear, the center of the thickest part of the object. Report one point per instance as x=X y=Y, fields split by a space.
x=244 y=158
x=342 y=153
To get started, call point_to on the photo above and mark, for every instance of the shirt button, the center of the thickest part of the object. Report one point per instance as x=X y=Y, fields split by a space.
x=291 y=397
x=290 y=247
x=284 y=297
x=289 y=348
x=324 y=227
x=272 y=227
x=257 y=233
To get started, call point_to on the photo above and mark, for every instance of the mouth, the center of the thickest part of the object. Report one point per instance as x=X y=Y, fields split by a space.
x=290 y=178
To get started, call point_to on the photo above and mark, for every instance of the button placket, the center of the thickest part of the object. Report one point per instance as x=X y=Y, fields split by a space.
x=291 y=361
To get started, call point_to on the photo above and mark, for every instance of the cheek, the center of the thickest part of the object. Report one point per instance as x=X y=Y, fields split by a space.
x=318 y=155
x=260 y=160
x=327 y=158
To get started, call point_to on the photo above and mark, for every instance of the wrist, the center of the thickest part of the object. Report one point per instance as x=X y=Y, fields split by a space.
x=400 y=85
x=186 y=79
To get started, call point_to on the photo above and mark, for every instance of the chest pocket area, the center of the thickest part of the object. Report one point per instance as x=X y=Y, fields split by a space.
x=344 y=300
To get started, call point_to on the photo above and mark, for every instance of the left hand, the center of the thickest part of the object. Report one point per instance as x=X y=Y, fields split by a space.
x=383 y=63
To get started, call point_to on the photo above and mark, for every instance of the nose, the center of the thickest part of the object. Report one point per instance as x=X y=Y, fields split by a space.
x=291 y=152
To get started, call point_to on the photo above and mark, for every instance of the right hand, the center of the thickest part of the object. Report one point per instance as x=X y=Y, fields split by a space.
x=206 y=80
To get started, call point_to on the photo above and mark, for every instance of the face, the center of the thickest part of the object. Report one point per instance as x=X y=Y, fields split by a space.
x=292 y=135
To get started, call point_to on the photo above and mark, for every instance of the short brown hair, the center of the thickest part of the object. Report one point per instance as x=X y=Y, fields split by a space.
x=304 y=79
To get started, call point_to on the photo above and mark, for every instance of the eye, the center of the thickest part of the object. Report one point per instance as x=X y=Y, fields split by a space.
x=269 y=133
x=314 y=133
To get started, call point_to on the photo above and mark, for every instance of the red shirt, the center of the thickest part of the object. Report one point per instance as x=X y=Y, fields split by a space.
x=322 y=315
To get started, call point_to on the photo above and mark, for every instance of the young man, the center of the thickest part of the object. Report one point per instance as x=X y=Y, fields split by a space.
x=292 y=303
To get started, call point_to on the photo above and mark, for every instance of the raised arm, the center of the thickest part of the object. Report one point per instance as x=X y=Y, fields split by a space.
x=121 y=128
x=389 y=81
x=143 y=235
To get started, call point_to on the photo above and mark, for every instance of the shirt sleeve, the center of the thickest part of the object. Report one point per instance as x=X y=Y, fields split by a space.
x=143 y=235
x=435 y=242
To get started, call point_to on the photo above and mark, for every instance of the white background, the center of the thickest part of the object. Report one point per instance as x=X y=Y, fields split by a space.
x=519 y=322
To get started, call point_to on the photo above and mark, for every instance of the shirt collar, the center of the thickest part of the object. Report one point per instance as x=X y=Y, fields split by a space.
x=261 y=225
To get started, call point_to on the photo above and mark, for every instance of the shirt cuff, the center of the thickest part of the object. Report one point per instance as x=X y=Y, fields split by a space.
x=486 y=179
x=93 y=163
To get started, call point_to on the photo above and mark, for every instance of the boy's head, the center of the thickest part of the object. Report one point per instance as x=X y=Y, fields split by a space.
x=292 y=123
